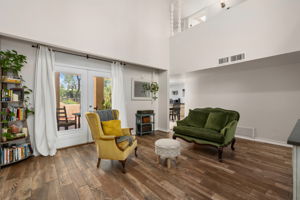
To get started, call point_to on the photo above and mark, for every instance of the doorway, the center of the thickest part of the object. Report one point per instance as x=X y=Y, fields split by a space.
x=78 y=90
x=177 y=102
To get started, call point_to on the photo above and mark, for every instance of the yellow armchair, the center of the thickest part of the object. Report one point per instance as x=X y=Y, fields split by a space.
x=106 y=145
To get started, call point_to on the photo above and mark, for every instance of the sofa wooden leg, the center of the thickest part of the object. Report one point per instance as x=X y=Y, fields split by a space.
x=174 y=137
x=232 y=144
x=220 y=153
x=98 y=163
x=135 y=152
x=123 y=162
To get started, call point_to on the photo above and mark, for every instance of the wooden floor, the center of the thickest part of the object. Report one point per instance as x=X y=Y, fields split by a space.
x=253 y=171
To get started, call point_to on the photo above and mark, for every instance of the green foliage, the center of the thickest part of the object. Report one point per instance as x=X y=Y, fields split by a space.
x=11 y=61
x=7 y=136
x=70 y=89
x=69 y=101
x=28 y=106
x=106 y=104
x=153 y=87
x=4 y=121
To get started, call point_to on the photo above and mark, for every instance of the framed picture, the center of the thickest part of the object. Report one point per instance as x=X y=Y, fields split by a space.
x=138 y=92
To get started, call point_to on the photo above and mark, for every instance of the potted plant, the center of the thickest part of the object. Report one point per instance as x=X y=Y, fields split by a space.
x=153 y=88
x=6 y=136
x=12 y=62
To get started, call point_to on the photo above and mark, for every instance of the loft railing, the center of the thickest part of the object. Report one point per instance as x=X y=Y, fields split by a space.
x=185 y=14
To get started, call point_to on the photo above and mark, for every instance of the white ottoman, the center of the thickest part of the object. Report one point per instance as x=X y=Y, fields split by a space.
x=167 y=149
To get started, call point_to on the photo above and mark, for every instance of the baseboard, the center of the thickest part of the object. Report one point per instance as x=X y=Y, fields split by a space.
x=163 y=130
x=264 y=140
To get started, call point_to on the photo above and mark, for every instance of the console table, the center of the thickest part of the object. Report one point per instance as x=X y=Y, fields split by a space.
x=294 y=139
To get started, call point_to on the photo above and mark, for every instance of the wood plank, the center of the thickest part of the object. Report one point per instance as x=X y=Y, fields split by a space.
x=69 y=192
x=253 y=171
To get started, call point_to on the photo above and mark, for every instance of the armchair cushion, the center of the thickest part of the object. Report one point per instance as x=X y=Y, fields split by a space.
x=112 y=127
x=197 y=118
x=200 y=133
x=216 y=121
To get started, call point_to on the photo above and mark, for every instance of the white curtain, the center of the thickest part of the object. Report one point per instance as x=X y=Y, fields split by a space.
x=118 y=91
x=45 y=133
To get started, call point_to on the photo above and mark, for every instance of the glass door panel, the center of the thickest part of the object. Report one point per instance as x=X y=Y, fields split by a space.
x=71 y=104
x=101 y=93
x=68 y=100
x=100 y=90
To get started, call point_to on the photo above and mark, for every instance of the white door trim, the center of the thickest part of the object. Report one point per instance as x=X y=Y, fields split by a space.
x=75 y=136
x=90 y=75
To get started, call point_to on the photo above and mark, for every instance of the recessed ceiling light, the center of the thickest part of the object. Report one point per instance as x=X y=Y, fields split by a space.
x=203 y=18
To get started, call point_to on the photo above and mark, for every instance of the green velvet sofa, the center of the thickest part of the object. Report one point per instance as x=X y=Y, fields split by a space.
x=209 y=126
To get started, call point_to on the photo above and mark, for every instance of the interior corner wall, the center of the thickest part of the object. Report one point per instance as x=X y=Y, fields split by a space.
x=135 y=31
x=265 y=92
x=163 y=101
x=257 y=28
x=144 y=74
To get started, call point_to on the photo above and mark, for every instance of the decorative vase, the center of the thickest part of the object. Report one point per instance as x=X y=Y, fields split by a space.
x=15 y=129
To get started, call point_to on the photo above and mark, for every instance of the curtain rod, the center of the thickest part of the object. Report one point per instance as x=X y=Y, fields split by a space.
x=85 y=56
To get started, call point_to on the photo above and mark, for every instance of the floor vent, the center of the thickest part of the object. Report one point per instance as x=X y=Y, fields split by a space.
x=245 y=132
x=223 y=60
x=237 y=57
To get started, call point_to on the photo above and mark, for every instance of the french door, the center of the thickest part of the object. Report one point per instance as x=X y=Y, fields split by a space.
x=77 y=91
x=99 y=90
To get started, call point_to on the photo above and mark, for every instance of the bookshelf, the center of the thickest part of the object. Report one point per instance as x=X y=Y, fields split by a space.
x=15 y=145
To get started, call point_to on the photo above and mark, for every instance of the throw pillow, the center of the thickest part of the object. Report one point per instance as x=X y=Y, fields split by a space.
x=112 y=127
x=197 y=118
x=216 y=121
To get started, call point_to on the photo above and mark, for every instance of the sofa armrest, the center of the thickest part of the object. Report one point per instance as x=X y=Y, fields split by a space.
x=229 y=131
x=182 y=122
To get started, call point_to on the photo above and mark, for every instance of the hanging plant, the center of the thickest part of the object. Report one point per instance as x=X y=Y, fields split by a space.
x=11 y=61
x=153 y=88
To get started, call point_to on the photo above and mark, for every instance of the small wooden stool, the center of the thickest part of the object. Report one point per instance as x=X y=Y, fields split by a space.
x=168 y=149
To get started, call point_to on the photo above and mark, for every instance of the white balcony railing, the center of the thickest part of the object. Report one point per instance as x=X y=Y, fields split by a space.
x=185 y=14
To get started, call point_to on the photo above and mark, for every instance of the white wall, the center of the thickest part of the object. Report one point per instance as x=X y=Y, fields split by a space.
x=257 y=28
x=163 y=101
x=130 y=72
x=266 y=92
x=179 y=88
x=135 y=72
x=135 y=31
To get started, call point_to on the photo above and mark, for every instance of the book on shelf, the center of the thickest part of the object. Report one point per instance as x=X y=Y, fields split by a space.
x=18 y=113
x=11 y=79
x=14 y=153
x=9 y=95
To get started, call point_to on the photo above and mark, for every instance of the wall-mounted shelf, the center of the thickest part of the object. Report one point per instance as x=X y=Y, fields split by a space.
x=13 y=115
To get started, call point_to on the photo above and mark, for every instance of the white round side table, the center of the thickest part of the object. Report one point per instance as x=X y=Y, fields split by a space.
x=167 y=149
